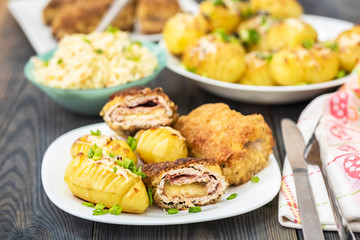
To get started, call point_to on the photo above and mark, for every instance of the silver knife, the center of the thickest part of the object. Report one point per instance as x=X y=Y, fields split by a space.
x=111 y=13
x=294 y=146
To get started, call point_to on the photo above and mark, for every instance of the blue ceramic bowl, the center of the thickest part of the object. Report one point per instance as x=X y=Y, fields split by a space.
x=91 y=101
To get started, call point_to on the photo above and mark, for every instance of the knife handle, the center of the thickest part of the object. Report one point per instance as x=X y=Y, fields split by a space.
x=310 y=221
x=341 y=223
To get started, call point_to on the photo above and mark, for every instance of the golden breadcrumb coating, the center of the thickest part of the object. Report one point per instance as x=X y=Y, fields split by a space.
x=240 y=144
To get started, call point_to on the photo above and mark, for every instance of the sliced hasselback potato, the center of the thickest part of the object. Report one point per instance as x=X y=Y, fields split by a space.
x=181 y=30
x=258 y=69
x=289 y=32
x=349 y=48
x=97 y=181
x=216 y=56
x=108 y=145
x=278 y=8
x=219 y=14
x=304 y=65
x=264 y=33
x=160 y=145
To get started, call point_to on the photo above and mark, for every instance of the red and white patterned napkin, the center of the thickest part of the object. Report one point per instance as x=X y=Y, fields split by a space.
x=339 y=138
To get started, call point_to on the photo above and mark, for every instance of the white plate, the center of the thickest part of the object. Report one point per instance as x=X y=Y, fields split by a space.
x=57 y=157
x=327 y=28
x=28 y=13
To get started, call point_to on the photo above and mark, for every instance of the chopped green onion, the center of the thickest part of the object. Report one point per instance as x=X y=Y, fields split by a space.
x=46 y=63
x=115 y=210
x=114 y=169
x=60 y=61
x=308 y=44
x=132 y=143
x=97 y=154
x=86 y=40
x=111 y=154
x=119 y=163
x=264 y=56
x=232 y=196
x=137 y=43
x=246 y=14
x=218 y=2
x=172 y=211
x=97 y=133
x=150 y=196
x=332 y=45
x=111 y=29
x=90 y=153
x=250 y=36
x=99 y=51
x=99 y=206
x=255 y=179
x=191 y=69
x=341 y=73
x=140 y=173
x=222 y=35
x=135 y=59
x=194 y=209
x=88 y=204
x=100 y=212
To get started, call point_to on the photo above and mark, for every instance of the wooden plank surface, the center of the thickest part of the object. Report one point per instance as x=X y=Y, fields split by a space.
x=30 y=121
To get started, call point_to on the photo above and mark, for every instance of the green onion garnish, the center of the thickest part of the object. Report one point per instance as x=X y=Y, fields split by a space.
x=232 y=196
x=172 y=211
x=341 y=73
x=90 y=153
x=86 y=40
x=114 y=169
x=255 y=179
x=111 y=29
x=100 y=212
x=132 y=143
x=115 y=210
x=194 y=209
x=97 y=133
x=99 y=51
x=99 y=206
x=60 y=61
x=308 y=44
x=97 y=154
x=88 y=204
x=150 y=196
x=111 y=154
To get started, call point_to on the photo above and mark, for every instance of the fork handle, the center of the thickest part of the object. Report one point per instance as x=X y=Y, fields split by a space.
x=341 y=222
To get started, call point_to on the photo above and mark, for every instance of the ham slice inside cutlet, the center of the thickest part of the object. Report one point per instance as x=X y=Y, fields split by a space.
x=191 y=186
x=141 y=112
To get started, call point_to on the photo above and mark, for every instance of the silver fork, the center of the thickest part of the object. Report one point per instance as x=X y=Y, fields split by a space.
x=312 y=156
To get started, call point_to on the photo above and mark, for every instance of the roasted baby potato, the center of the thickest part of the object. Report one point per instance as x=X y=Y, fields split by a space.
x=304 y=65
x=264 y=33
x=216 y=56
x=160 y=145
x=108 y=145
x=349 y=48
x=278 y=8
x=289 y=32
x=258 y=69
x=219 y=15
x=181 y=30
x=97 y=181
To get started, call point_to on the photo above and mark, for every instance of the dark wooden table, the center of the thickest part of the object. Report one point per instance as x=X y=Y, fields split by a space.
x=30 y=121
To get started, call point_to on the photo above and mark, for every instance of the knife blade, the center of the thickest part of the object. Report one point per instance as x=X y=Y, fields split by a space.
x=294 y=146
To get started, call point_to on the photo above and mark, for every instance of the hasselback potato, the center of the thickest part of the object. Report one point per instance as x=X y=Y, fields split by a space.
x=258 y=69
x=216 y=56
x=160 y=145
x=264 y=33
x=278 y=8
x=349 y=48
x=219 y=15
x=301 y=65
x=107 y=144
x=96 y=181
x=181 y=30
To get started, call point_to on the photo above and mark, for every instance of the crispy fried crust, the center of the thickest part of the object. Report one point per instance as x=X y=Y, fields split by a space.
x=156 y=171
x=152 y=14
x=128 y=96
x=83 y=16
x=240 y=144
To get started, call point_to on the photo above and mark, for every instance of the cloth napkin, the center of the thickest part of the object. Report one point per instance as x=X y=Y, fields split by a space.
x=339 y=138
